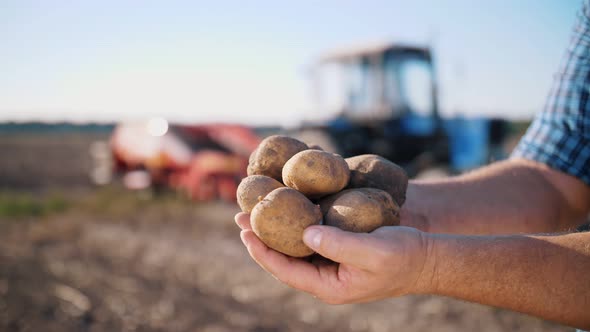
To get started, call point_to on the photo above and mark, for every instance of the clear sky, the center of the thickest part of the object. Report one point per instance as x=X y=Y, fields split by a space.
x=238 y=61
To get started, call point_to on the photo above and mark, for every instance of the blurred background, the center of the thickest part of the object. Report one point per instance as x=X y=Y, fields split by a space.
x=125 y=128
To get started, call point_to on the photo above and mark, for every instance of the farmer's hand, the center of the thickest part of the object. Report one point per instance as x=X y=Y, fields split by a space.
x=390 y=261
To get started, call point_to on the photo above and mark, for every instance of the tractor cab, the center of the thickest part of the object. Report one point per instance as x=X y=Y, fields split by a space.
x=385 y=99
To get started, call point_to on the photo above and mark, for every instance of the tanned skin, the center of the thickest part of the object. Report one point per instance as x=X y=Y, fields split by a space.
x=452 y=245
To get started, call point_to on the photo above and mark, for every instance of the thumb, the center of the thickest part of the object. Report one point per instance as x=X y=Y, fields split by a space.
x=340 y=246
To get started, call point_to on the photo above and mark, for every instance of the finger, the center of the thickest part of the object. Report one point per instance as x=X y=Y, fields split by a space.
x=340 y=246
x=243 y=220
x=294 y=272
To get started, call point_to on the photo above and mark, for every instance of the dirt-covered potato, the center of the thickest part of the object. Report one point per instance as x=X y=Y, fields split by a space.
x=374 y=171
x=360 y=210
x=280 y=218
x=389 y=208
x=271 y=155
x=253 y=189
x=316 y=173
x=252 y=157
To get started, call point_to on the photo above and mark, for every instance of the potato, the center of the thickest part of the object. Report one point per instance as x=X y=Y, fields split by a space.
x=252 y=157
x=316 y=173
x=389 y=208
x=392 y=208
x=354 y=212
x=271 y=155
x=280 y=218
x=374 y=171
x=360 y=210
x=253 y=189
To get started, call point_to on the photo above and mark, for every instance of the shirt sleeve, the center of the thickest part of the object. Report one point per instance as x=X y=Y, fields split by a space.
x=560 y=135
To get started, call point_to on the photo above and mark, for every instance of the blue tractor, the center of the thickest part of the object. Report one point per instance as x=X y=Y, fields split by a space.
x=384 y=101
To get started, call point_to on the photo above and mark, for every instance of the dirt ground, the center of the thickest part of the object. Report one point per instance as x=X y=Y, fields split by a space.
x=105 y=259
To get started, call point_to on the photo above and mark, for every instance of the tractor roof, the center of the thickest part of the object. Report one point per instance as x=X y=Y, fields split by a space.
x=367 y=50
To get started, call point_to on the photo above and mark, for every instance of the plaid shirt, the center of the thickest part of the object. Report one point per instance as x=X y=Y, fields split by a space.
x=560 y=135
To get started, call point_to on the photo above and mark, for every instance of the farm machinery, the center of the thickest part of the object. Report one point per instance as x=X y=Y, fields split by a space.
x=385 y=98
x=204 y=161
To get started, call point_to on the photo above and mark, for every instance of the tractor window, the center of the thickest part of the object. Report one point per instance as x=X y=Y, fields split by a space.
x=416 y=84
x=391 y=87
x=351 y=87
x=330 y=87
x=362 y=91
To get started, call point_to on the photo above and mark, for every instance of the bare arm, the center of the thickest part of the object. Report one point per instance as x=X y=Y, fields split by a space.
x=514 y=196
x=545 y=276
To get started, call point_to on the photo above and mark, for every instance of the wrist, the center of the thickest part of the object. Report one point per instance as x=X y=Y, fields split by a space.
x=427 y=281
x=410 y=213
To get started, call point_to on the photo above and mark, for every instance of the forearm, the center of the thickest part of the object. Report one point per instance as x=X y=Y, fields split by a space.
x=544 y=276
x=504 y=198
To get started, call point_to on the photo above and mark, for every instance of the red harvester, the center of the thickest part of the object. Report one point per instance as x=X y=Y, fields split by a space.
x=205 y=161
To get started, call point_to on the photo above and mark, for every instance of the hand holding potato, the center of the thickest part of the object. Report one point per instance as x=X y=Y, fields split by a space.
x=390 y=261
x=284 y=224
x=314 y=181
